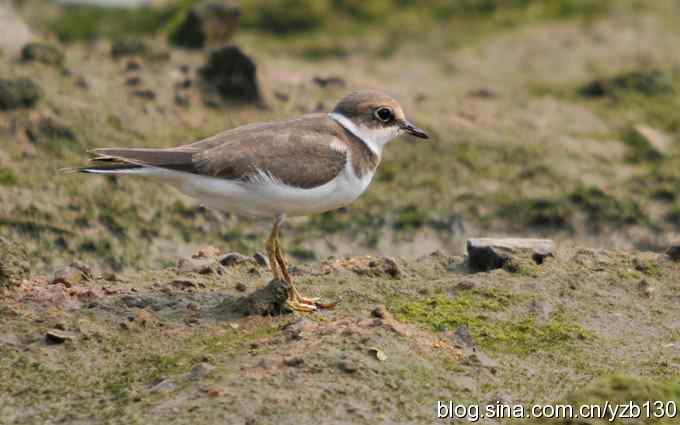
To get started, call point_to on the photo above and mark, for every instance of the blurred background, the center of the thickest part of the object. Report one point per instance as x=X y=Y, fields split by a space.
x=555 y=118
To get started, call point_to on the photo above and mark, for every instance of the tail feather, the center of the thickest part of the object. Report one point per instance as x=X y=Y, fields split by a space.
x=137 y=161
x=110 y=169
x=174 y=159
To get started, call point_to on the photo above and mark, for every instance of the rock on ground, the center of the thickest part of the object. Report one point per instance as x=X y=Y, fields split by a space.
x=207 y=23
x=229 y=76
x=234 y=258
x=45 y=53
x=674 y=252
x=489 y=253
x=18 y=93
x=267 y=301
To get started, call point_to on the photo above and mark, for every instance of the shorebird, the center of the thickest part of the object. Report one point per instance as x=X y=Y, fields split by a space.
x=309 y=164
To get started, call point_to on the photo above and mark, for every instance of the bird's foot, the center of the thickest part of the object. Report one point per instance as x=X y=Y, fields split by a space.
x=300 y=304
x=297 y=306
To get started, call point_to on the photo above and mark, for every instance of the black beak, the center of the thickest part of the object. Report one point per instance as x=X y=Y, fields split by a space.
x=413 y=130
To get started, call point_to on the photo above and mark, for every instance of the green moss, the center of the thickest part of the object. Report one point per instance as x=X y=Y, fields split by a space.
x=368 y=10
x=645 y=82
x=7 y=177
x=53 y=136
x=673 y=216
x=622 y=389
x=14 y=263
x=145 y=369
x=324 y=51
x=602 y=207
x=115 y=386
x=521 y=334
x=602 y=210
x=521 y=267
x=285 y=16
x=90 y=22
x=328 y=222
x=411 y=217
x=541 y=212
x=644 y=95
x=45 y=53
x=648 y=266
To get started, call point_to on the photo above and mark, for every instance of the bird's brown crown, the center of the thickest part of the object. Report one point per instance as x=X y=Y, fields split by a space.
x=371 y=109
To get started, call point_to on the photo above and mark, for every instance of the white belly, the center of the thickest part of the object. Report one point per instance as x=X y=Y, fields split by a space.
x=268 y=197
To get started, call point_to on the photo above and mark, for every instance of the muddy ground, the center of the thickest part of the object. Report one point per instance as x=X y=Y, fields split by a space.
x=171 y=346
x=554 y=119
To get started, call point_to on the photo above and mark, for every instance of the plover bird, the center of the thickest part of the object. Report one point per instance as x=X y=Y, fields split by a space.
x=310 y=164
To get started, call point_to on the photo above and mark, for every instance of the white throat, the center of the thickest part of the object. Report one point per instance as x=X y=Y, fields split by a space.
x=375 y=138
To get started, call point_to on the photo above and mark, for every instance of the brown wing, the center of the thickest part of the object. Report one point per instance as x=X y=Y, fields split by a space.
x=298 y=154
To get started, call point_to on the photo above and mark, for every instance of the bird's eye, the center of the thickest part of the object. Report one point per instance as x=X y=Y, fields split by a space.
x=384 y=114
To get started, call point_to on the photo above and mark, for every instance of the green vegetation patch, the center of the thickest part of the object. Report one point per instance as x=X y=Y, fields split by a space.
x=7 y=177
x=128 y=365
x=14 y=263
x=602 y=209
x=91 y=22
x=522 y=334
x=298 y=16
x=622 y=389
x=647 y=96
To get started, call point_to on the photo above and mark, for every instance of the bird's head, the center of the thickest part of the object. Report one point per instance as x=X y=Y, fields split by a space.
x=374 y=117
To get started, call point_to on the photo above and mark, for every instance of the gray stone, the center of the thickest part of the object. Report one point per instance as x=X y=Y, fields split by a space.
x=207 y=23
x=294 y=361
x=488 y=253
x=198 y=265
x=67 y=276
x=261 y=260
x=462 y=333
x=234 y=258
x=200 y=371
x=163 y=386
x=56 y=336
x=674 y=252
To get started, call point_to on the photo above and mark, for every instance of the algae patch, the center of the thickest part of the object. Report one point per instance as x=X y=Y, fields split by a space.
x=521 y=333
